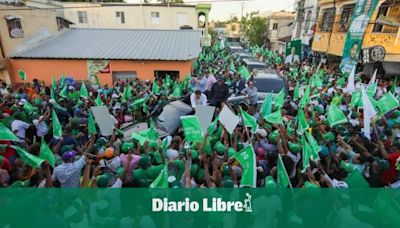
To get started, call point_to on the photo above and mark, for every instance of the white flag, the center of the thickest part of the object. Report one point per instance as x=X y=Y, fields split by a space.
x=373 y=78
x=369 y=113
x=350 y=81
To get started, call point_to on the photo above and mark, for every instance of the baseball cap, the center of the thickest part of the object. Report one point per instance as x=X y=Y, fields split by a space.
x=68 y=155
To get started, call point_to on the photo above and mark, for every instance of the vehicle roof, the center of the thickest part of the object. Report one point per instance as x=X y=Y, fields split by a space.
x=268 y=75
x=253 y=61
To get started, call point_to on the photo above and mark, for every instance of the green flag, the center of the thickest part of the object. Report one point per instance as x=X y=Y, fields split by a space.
x=150 y=133
x=84 y=92
x=52 y=95
x=356 y=100
x=335 y=116
x=266 y=107
x=394 y=85
x=371 y=89
x=98 y=101
x=91 y=125
x=191 y=128
x=57 y=129
x=244 y=72
x=249 y=120
x=283 y=178
x=247 y=159
x=302 y=124
x=306 y=153
x=6 y=134
x=356 y=180
x=275 y=117
x=387 y=103
x=161 y=180
x=156 y=89
x=296 y=95
x=279 y=99
x=139 y=102
x=46 y=153
x=62 y=81
x=315 y=147
x=306 y=97
x=27 y=158
x=213 y=126
x=53 y=83
x=22 y=75
x=341 y=81
x=64 y=92
x=137 y=137
x=177 y=90
x=28 y=107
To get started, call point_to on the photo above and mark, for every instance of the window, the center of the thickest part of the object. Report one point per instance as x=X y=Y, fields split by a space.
x=62 y=23
x=307 y=22
x=275 y=26
x=233 y=27
x=120 y=16
x=328 y=17
x=346 y=17
x=155 y=18
x=82 y=17
x=383 y=10
x=182 y=19
x=14 y=27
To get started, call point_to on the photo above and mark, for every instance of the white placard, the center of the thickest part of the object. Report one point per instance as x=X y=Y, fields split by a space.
x=103 y=120
x=205 y=114
x=228 y=119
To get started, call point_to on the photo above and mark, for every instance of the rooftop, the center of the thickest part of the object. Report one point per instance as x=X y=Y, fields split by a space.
x=127 y=44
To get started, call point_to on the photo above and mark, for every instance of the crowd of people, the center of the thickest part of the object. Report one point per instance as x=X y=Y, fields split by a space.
x=314 y=151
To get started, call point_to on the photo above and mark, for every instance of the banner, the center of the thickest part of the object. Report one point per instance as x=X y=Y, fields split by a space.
x=97 y=66
x=293 y=51
x=191 y=128
x=359 y=21
x=103 y=120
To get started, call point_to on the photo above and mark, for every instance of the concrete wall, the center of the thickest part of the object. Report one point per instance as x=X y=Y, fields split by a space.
x=136 y=16
x=36 y=24
x=44 y=69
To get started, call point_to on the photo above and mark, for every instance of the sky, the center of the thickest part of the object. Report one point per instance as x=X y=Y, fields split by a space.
x=226 y=9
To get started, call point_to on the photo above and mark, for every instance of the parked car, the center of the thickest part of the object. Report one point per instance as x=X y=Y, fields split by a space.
x=265 y=82
x=253 y=64
x=167 y=122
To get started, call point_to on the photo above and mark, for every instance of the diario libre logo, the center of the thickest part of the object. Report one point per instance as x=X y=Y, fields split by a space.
x=206 y=205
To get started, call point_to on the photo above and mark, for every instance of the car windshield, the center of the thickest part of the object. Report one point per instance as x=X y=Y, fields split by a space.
x=169 y=118
x=266 y=85
x=256 y=67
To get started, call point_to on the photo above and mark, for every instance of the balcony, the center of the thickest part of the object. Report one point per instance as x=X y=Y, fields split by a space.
x=335 y=46
x=387 y=40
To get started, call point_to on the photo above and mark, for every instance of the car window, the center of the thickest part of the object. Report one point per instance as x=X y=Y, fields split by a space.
x=266 y=85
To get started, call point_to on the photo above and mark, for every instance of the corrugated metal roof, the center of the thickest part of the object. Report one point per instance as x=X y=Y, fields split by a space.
x=118 y=44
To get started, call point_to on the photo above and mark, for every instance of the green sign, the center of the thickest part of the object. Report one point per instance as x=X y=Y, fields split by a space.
x=293 y=51
x=191 y=128
x=359 y=21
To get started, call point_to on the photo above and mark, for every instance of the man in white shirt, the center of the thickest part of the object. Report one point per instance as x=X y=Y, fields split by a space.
x=292 y=58
x=19 y=127
x=198 y=98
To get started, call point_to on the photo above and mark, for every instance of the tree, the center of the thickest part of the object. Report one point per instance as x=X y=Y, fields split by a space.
x=254 y=29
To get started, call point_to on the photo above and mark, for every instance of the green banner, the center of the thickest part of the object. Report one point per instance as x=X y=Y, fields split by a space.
x=248 y=207
x=191 y=128
x=359 y=21
x=293 y=51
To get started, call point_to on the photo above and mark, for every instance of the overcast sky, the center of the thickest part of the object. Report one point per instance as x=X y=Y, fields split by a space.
x=227 y=9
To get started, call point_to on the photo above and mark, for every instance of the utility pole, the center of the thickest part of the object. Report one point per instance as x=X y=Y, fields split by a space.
x=242 y=10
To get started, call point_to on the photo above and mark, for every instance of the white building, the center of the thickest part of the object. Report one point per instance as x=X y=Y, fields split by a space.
x=305 y=21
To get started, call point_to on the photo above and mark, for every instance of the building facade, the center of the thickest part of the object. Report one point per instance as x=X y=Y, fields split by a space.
x=123 y=15
x=279 y=28
x=334 y=19
x=20 y=28
x=118 y=53
x=305 y=23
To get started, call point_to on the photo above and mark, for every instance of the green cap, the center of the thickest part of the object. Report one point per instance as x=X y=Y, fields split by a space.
x=220 y=148
x=347 y=166
x=329 y=136
x=231 y=152
x=194 y=168
x=102 y=181
x=273 y=137
x=21 y=184
x=195 y=154
x=153 y=144
x=270 y=183
x=294 y=147
x=200 y=175
x=225 y=170
x=227 y=182
x=126 y=147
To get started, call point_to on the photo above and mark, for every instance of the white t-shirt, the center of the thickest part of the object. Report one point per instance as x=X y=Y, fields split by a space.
x=41 y=128
x=19 y=128
x=171 y=153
